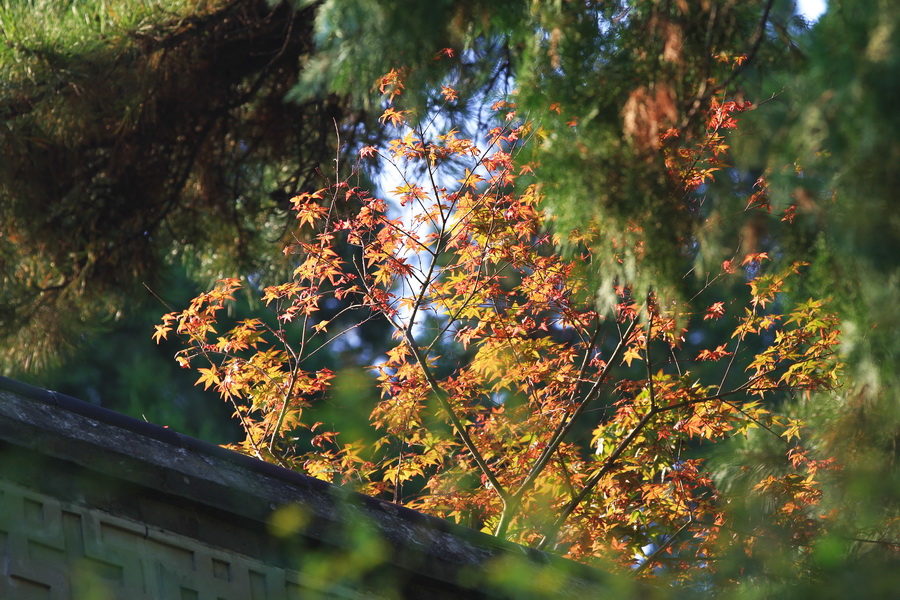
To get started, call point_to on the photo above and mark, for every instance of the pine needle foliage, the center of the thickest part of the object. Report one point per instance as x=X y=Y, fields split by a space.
x=136 y=132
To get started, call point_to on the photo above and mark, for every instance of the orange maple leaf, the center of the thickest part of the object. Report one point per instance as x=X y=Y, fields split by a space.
x=716 y=310
x=161 y=332
x=449 y=94
x=393 y=115
x=208 y=377
x=392 y=84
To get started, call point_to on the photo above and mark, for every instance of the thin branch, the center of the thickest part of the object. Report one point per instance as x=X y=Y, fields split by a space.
x=435 y=386
x=647 y=359
x=608 y=465
x=649 y=560
x=703 y=94
x=561 y=431
x=566 y=425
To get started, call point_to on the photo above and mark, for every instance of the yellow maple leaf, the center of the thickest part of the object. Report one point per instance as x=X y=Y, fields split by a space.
x=631 y=354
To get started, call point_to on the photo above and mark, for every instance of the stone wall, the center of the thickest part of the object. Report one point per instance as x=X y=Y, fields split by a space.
x=55 y=549
x=95 y=505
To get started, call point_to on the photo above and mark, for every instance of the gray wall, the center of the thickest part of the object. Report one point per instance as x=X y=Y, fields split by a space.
x=95 y=505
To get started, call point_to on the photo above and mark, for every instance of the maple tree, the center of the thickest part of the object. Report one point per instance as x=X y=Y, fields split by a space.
x=510 y=401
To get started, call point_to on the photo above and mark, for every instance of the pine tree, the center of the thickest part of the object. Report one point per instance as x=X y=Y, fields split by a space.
x=138 y=135
x=832 y=159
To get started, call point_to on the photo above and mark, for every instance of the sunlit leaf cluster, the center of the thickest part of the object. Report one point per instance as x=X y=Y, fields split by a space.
x=510 y=400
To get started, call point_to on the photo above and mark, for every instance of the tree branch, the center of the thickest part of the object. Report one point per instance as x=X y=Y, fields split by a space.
x=560 y=433
x=435 y=386
x=608 y=466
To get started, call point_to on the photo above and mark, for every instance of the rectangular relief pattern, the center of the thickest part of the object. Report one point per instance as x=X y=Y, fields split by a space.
x=62 y=551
